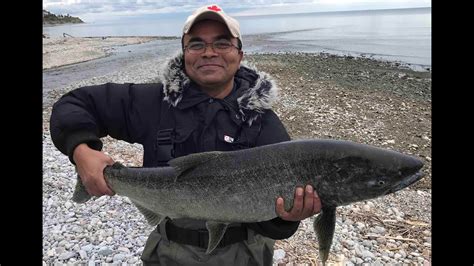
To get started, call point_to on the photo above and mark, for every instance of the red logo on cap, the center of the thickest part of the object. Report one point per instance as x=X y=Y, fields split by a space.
x=214 y=8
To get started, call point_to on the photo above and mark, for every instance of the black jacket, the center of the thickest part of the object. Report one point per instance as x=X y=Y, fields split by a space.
x=136 y=113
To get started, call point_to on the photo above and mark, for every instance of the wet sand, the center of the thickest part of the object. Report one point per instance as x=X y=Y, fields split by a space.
x=60 y=51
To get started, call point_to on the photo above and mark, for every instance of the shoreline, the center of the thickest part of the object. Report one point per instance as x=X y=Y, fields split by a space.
x=82 y=49
x=62 y=51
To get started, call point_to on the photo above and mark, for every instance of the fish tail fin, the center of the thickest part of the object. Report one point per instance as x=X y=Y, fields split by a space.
x=80 y=194
x=324 y=226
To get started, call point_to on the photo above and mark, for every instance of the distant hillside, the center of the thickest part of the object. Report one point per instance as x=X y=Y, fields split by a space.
x=52 y=19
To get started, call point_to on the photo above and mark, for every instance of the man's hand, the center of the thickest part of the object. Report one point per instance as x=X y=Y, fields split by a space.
x=305 y=204
x=90 y=167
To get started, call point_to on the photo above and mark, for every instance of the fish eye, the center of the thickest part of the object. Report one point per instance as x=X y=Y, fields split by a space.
x=381 y=182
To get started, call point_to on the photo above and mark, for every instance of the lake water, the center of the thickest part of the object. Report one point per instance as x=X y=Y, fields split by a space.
x=402 y=35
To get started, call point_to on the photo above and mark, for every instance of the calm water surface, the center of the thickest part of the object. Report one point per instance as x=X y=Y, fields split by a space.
x=401 y=35
x=395 y=35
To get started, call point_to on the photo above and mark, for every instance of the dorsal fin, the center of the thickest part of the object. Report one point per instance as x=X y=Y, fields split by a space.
x=151 y=217
x=189 y=162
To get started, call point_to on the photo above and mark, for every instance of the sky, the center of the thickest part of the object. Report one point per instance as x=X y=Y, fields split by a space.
x=97 y=10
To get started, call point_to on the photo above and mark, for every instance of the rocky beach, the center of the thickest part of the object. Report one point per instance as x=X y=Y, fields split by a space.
x=321 y=96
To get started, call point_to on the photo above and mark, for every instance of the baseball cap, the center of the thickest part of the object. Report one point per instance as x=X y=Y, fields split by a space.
x=213 y=12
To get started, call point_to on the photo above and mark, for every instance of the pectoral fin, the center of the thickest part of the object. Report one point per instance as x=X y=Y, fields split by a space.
x=151 y=217
x=80 y=194
x=324 y=225
x=216 y=232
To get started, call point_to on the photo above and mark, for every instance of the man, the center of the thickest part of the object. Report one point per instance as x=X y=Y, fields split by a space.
x=206 y=101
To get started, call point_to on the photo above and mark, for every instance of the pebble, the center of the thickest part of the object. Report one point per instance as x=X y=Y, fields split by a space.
x=124 y=249
x=367 y=243
x=367 y=254
x=50 y=253
x=366 y=208
x=360 y=225
x=132 y=261
x=402 y=253
x=67 y=255
x=83 y=254
x=349 y=244
x=118 y=257
x=105 y=251
x=378 y=230
x=278 y=254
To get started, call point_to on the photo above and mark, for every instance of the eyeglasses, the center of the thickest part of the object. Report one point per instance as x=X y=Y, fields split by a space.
x=219 y=46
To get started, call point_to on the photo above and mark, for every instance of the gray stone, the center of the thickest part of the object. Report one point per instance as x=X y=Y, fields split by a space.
x=67 y=255
x=278 y=254
x=124 y=249
x=402 y=253
x=118 y=257
x=59 y=250
x=50 y=253
x=83 y=254
x=348 y=244
x=132 y=261
x=368 y=254
x=360 y=225
x=105 y=251
x=378 y=230
x=359 y=250
x=367 y=243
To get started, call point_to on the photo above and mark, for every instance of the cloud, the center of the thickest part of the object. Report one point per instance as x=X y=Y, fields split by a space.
x=97 y=10
x=106 y=9
x=329 y=5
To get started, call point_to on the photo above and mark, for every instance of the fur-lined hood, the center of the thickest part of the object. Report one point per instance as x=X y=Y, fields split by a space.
x=260 y=95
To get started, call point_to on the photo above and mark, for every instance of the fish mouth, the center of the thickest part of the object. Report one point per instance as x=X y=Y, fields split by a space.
x=407 y=182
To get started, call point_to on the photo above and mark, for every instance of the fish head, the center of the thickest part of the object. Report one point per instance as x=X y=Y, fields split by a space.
x=379 y=176
x=354 y=172
x=406 y=176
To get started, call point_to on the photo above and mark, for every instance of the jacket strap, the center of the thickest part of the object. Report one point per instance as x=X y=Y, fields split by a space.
x=163 y=143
